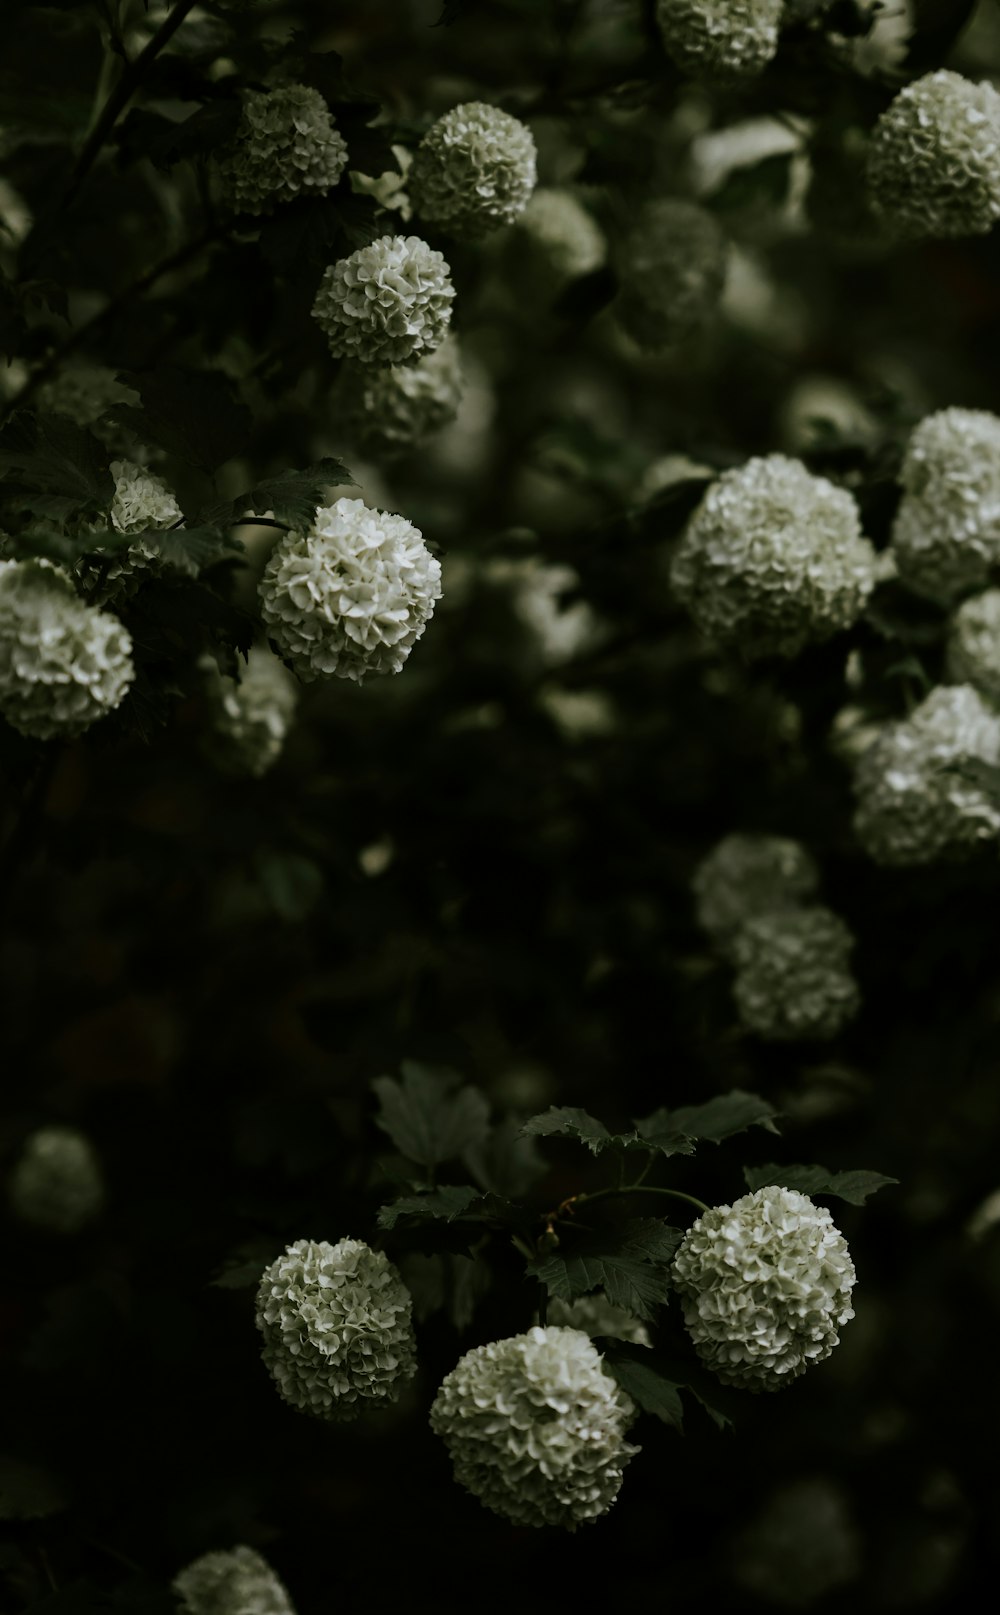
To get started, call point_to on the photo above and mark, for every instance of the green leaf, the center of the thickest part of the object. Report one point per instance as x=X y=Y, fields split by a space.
x=754 y=184
x=244 y=1265
x=194 y=414
x=448 y=1202
x=61 y=466
x=637 y=1371
x=429 y=1118
x=569 y=1122
x=629 y=1264
x=292 y=495
x=854 y=1187
x=719 y=1118
x=505 y=1161
x=166 y=141
x=191 y=548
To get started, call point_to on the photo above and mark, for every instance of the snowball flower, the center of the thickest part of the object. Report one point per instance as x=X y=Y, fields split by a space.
x=142 y=500
x=286 y=145
x=946 y=536
x=973 y=655
x=250 y=717
x=473 y=171
x=142 y=504
x=351 y=595
x=792 y=974
x=338 y=1336
x=596 y=1315
x=720 y=39
x=914 y=803
x=934 y=160
x=774 y=558
x=63 y=663
x=388 y=303
x=567 y=236
x=84 y=392
x=535 y=1428
x=395 y=408
x=239 y=1582
x=672 y=270
x=57 y=1182
x=765 y=1285
x=746 y=875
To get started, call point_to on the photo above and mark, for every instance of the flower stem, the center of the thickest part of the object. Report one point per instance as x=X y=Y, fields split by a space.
x=640 y=1188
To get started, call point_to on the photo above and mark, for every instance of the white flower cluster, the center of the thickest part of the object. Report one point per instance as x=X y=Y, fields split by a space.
x=566 y=234
x=914 y=803
x=336 y=1321
x=946 y=536
x=473 y=171
x=720 y=39
x=793 y=977
x=350 y=596
x=142 y=500
x=63 y=663
x=746 y=875
x=973 y=653
x=387 y=304
x=239 y=1582
x=596 y=1315
x=672 y=269
x=535 y=1428
x=774 y=558
x=395 y=408
x=142 y=504
x=56 y=1182
x=934 y=159
x=765 y=1285
x=250 y=718
x=286 y=145
x=83 y=392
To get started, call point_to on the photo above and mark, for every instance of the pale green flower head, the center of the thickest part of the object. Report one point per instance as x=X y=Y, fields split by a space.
x=934 y=160
x=473 y=171
x=793 y=977
x=386 y=304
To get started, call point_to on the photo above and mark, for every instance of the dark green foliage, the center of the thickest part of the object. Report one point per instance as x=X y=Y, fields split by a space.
x=429 y=1116
x=854 y=1187
x=53 y=467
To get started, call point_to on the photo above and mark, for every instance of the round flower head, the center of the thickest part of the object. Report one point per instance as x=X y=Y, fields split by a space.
x=914 y=803
x=250 y=717
x=286 y=145
x=473 y=171
x=338 y=1336
x=567 y=237
x=389 y=303
x=672 y=270
x=63 y=663
x=535 y=1428
x=793 y=976
x=239 y=1582
x=142 y=504
x=799 y=1546
x=595 y=1315
x=350 y=596
x=946 y=536
x=393 y=409
x=934 y=160
x=973 y=655
x=84 y=392
x=748 y=875
x=720 y=39
x=774 y=558
x=765 y=1285
x=56 y=1182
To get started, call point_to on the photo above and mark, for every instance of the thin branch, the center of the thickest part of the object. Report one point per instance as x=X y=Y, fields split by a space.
x=635 y=1188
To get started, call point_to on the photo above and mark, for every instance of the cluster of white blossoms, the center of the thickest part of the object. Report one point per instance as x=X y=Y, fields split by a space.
x=337 y=1327
x=142 y=504
x=238 y=1582
x=251 y=717
x=397 y=407
x=946 y=536
x=564 y=232
x=535 y=1428
x=915 y=804
x=934 y=159
x=746 y=875
x=386 y=304
x=720 y=39
x=793 y=977
x=774 y=558
x=672 y=265
x=56 y=1182
x=765 y=1285
x=473 y=171
x=596 y=1315
x=286 y=145
x=84 y=392
x=351 y=595
x=63 y=663
x=973 y=651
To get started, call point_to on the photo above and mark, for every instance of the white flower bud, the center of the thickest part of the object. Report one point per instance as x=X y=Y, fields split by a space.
x=387 y=304
x=63 y=663
x=934 y=160
x=239 y=1582
x=765 y=1285
x=595 y=1315
x=720 y=39
x=396 y=408
x=566 y=235
x=286 y=145
x=746 y=875
x=973 y=654
x=774 y=558
x=350 y=596
x=250 y=717
x=57 y=1183
x=535 y=1428
x=336 y=1321
x=473 y=171
x=672 y=270
x=946 y=536
x=793 y=976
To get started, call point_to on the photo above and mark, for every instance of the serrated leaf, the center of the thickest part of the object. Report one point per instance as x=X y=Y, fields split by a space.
x=637 y=1372
x=292 y=495
x=854 y=1187
x=719 y=1118
x=194 y=414
x=191 y=549
x=429 y=1118
x=166 y=141
x=506 y=1162
x=446 y=1203
x=244 y=1265
x=61 y=466
x=567 y=1121
x=632 y=1271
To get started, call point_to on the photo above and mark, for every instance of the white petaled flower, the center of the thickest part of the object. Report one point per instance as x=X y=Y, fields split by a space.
x=793 y=977
x=946 y=536
x=749 y=874
x=142 y=504
x=973 y=654
x=915 y=802
x=252 y=716
x=238 y=1582
x=774 y=558
x=286 y=145
x=723 y=39
x=387 y=304
x=672 y=269
x=596 y=1315
x=338 y=1334
x=395 y=408
x=765 y=1286
x=63 y=663
x=84 y=392
x=566 y=235
x=535 y=1428
x=934 y=159
x=351 y=595
x=57 y=1182
x=473 y=171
